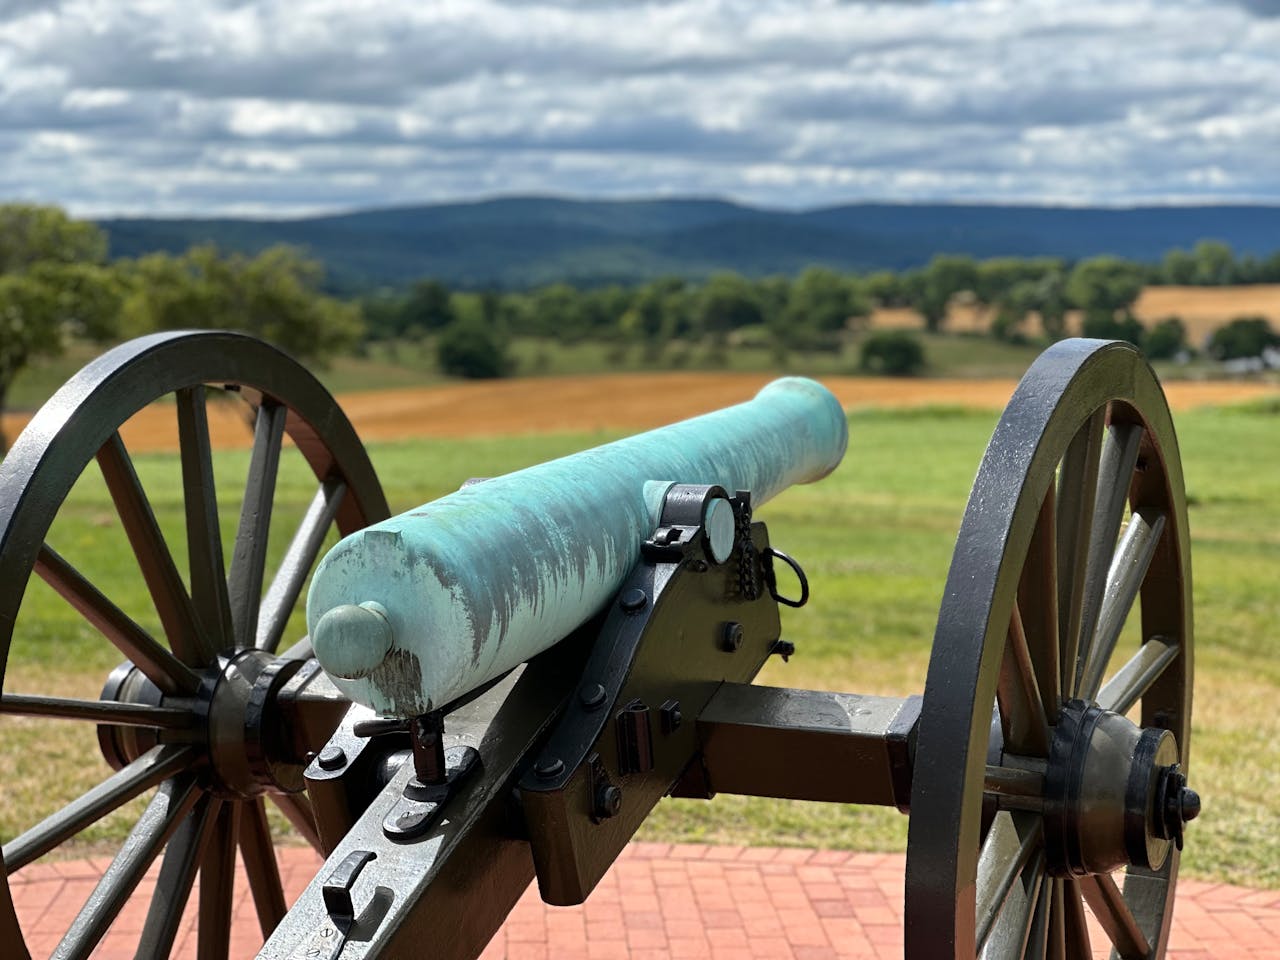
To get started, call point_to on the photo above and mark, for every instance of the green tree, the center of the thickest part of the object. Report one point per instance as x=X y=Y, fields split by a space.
x=944 y=277
x=52 y=285
x=824 y=301
x=886 y=289
x=275 y=296
x=1243 y=337
x=1105 y=288
x=557 y=311
x=1215 y=264
x=471 y=348
x=429 y=306
x=893 y=353
x=726 y=302
x=1178 y=267
x=31 y=234
x=1166 y=339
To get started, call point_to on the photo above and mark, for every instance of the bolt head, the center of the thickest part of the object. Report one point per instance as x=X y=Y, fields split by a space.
x=608 y=801
x=548 y=768
x=332 y=758
x=731 y=639
x=633 y=600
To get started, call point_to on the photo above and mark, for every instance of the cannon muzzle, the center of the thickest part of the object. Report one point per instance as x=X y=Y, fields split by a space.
x=414 y=612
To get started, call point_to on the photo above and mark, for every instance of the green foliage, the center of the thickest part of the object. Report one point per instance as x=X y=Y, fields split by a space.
x=31 y=235
x=51 y=286
x=473 y=349
x=727 y=302
x=428 y=306
x=274 y=295
x=944 y=277
x=1243 y=337
x=1119 y=326
x=824 y=301
x=1166 y=339
x=893 y=353
x=1104 y=286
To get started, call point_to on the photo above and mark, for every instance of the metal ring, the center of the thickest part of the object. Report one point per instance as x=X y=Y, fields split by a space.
x=768 y=554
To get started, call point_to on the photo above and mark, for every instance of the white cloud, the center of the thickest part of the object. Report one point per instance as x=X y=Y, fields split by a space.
x=284 y=106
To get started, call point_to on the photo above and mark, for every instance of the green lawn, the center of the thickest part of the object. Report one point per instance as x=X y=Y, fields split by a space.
x=875 y=539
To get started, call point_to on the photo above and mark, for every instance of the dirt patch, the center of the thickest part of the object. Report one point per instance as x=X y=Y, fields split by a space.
x=608 y=402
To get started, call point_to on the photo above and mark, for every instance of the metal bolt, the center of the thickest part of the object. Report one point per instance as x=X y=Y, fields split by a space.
x=670 y=716
x=592 y=696
x=784 y=648
x=548 y=768
x=608 y=801
x=731 y=639
x=332 y=758
x=633 y=600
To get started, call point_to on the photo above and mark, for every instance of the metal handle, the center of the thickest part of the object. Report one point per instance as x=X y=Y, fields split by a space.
x=768 y=554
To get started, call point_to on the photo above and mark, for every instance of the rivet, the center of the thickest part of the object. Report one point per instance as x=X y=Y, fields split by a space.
x=548 y=768
x=332 y=758
x=731 y=639
x=633 y=600
x=592 y=696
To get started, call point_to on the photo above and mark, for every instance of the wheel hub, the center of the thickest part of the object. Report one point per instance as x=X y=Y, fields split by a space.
x=1115 y=794
x=234 y=718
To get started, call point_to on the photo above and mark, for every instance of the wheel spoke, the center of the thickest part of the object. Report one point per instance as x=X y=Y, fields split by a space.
x=1119 y=456
x=157 y=764
x=1026 y=728
x=168 y=593
x=1038 y=604
x=177 y=873
x=1037 y=947
x=249 y=557
x=286 y=586
x=1009 y=934
x=204 y=536
x=1136 y=677
x=1075 y=924
x=1113 y=914
x=217 y=885
x=1077 y=485
x=259 y=858
x=1056 y=940
x=1128 y=571
x=95 y=711
x=161 y=667
x=162 y=817
x=1007 y=852
x=297 y=809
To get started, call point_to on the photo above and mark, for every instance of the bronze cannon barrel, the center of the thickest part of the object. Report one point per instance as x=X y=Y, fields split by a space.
x=416 y=611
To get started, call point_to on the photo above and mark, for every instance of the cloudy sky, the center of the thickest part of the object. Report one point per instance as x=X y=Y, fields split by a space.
x=281 y=107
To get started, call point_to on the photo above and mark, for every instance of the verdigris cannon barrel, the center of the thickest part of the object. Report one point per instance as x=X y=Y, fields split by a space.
x=411 y=613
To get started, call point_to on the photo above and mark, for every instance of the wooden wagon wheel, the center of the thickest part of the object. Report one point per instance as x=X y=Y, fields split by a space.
x=1031 y=787
x=191 y=712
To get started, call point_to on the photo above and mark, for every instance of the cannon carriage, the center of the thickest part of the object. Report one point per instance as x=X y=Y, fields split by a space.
x=499 y=686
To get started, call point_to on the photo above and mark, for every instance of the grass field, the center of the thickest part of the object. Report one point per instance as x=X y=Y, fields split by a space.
x=875 y=539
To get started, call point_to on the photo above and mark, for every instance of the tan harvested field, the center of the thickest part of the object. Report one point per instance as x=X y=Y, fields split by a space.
x=1202 y=309
x=611 y=402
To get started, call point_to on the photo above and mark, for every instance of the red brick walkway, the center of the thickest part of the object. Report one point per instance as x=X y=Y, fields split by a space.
x=688 y=901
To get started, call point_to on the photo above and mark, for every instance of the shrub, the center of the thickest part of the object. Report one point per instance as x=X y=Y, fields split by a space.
x=1166 y=339
x=894 y=353
x=1243 y=337
x=1103 y=325
x=472 y=349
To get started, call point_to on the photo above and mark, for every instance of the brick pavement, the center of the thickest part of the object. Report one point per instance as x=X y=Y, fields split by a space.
x=686 y=901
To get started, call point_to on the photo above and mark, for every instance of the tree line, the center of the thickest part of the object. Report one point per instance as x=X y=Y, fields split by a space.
x=56 y=283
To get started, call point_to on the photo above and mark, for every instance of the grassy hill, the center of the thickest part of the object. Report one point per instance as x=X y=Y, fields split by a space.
x=525 y=241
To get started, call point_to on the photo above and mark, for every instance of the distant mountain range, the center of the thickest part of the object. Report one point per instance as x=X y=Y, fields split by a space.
x=526 y=241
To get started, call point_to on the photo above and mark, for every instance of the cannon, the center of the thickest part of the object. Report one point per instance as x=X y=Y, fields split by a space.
x=496 y=688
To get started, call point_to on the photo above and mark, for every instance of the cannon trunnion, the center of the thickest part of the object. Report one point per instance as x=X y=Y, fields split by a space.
x=1043 y=767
